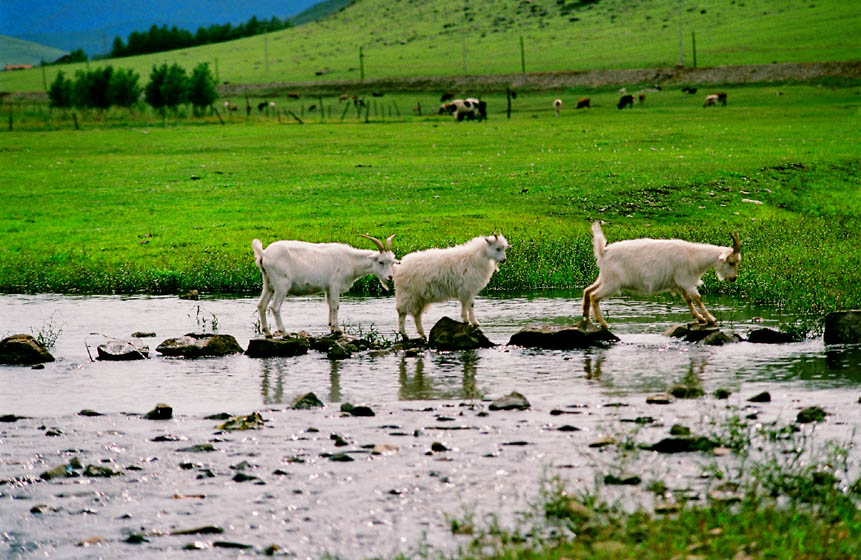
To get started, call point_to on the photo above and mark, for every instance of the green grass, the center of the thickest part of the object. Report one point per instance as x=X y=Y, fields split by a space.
x=435 y=38
x=166 y=207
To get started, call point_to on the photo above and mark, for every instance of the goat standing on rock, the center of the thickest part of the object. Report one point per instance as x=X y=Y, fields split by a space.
x=653 y=266
x=299 y=268
x=436 y=275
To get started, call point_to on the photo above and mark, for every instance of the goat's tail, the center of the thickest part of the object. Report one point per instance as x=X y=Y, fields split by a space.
x=598 y=240
x=257 y=245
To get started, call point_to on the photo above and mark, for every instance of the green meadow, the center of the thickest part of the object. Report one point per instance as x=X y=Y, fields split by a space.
x=409 y=38
x=164 y=206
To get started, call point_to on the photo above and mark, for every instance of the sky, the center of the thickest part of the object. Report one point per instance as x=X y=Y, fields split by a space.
x=92 y=24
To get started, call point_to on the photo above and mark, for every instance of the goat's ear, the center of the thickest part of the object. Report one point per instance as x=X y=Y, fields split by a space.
x=722 y=257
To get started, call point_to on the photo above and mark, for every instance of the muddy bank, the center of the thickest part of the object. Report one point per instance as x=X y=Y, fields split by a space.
x=539 y=81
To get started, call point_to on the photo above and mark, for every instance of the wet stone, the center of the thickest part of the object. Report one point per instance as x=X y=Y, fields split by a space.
x=200 y=345
x=338 y=351
x=160 y=412
x=722 y=394
x=357 y=410
x=204 y=530
x=686 y=392
x=96 y=471
x=659 y=398
x=563 y=338
x=11 y=418
x=718 y=338
x=143 y=334
x=230 y=544
x=306 y=401
x=438 y=447
x=628 y=479
x=691 y=332
x=568 y=428
x=770 y=336
x=277 y=347
x=810 y=414
x=219 y=416
x=243 y=477
x=512 y=401
x=448 y=334
x=253 y=421
x=683 y=445
x=340 y=458
x=121 y=351
x=679 y=430
x=603 y=442
x=199 y=448
x=23 y=349
x=843 y=327
x=765 y=396
x=88 y=412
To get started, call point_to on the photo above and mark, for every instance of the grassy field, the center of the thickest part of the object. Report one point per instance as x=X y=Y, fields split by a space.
x=161 y=207
x=433 y=38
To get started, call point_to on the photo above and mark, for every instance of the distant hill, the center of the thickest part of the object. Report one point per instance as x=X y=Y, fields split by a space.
x=320 y=11
x=93 y=24
x=18 y=51
x=416 y=38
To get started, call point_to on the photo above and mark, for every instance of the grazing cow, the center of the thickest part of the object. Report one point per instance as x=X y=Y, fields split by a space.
x=447 y=96
x=557 y=106
x=710 y=100
x=721 y=97
x=584 y=103
x=292 y=95
x=626 y=101
x=231 y=106
x=344 y=97
x=469 y=109
x=641 y=98
x=689 y=90
x=377 y=94
x=262 y=105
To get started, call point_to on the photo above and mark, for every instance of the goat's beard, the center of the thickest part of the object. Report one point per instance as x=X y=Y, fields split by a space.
x=383 y=284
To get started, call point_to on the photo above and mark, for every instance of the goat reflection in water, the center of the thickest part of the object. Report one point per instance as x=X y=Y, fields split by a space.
x=415 y=384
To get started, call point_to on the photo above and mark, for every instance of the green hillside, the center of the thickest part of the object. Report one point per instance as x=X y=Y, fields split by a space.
x=434 y=37
x=18 y=51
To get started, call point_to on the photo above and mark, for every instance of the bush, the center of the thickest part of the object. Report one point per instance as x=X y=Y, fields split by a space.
x=91 y=88
x=168 y=87
x=124 y=89
x=201 y=87
x=60 y=92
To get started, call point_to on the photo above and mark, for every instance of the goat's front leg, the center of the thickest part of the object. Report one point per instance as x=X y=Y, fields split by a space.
x=418 y=319
x=710 y=318
x=332 y=299
x=402 y=324
x=468 y=312
x=694 y=312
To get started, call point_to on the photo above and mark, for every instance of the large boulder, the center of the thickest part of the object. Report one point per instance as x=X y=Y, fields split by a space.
x=121 y=350
x=843 y=327
x=23 y=349
x=200 y=345
x=770 y=336
x=582 y=335
x=448 y=334
x=277 y=347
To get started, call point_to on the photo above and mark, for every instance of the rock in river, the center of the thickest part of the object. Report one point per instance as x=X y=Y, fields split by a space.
x=277 y=347
x=513 y=401
x=563 y=338
x=843 y=327
x=23 y=349
x=200 y=345
x=121 y=350
x=770 y=336
x=448 y=334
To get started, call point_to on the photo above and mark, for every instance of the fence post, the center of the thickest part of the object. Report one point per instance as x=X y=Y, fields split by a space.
x=322 y=109
x=522 y=57
x=508 y=96
x=694 y=46
x=10 y=117
x=361 y=65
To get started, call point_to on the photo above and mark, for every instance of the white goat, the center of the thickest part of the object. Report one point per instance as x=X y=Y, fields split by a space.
x=652 y=266
x=557 y=106
x=435 y=275
x=300 y=268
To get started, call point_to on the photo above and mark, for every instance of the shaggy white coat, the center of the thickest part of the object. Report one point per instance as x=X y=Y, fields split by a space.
x=300 y=268
x=653 y=266
x=437 y=275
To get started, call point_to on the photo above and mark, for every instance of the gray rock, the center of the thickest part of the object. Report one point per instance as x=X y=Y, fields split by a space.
x=357 y=410
x=160 y=412
x=659 y=398
x=306 y=401
x=718 y=338
x=23 y=349
x=691 y=332
x=770 y=336
x=121 y=350
x=277 y=347
x=810 y=414
x=686 y=391
x=683 y=445
x=582 y=335
x=628 y=479
x=143 y=334
x=843 y=327
x=513 y=401
x=765 y=396
x=338 y=351
x=448 y=334
x=200 y=345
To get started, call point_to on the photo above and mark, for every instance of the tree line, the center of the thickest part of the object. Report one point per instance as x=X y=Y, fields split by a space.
x=168 y=88
x=159 y=39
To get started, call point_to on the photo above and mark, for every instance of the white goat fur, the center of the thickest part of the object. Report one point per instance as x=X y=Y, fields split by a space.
x=652 y=266
x=436 y=275
x=300 y=268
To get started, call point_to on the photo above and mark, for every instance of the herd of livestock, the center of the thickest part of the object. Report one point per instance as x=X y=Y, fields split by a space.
x=640 y=266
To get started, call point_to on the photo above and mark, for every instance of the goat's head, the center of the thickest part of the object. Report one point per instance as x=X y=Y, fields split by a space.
x=496 y=246
x=382 y=262
x=727 y=268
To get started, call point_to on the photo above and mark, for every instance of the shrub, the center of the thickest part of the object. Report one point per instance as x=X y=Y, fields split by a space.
x=60 y=92
x=201 y=87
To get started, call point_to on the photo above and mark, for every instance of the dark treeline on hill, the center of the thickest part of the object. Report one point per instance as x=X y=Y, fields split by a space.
x=159 y=39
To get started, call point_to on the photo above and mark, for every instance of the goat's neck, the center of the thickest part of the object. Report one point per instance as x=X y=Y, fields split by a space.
x=361 y=261
x=707 y=257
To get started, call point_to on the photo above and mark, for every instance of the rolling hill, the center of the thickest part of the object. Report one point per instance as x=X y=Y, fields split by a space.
x=409 y=38
x=18 y=51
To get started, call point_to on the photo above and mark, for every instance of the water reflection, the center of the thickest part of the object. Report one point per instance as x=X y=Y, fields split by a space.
x=451 y=376
x=272 y=368
x=592 y=363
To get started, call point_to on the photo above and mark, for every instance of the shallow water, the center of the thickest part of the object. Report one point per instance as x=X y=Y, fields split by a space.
x=378 y=504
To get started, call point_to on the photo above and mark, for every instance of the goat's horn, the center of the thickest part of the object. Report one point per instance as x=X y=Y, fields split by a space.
x=389 y=242
x=375 y=240
x=736 y=244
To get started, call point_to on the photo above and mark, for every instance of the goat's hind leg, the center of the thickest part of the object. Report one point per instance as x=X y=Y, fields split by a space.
x=275 y=306
x=587 y=296
x=262 y=304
